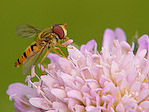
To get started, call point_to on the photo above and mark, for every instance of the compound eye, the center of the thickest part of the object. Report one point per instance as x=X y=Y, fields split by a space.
x=59 y=31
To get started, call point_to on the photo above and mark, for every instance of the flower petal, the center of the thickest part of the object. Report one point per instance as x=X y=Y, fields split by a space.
x=79 y=108
x=89 y=47
x=68 y=42
x=120 y=107
x=143 y=42
x=135 y=87
x=20 y=89
x=60 y=107
x=145 y=105
x=120 y=35
x=75 y=94
x=65 y=65
x=108 y=38
x=39 y=103
x=59 y=93
x=49 y=81
x=143 y=94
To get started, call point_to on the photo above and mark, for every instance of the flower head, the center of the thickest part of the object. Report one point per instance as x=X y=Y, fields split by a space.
x=114 y=79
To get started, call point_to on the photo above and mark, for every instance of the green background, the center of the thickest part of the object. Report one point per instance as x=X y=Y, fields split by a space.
x=86 y=19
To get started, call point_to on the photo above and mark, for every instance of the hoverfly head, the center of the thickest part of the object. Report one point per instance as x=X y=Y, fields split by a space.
x=60 y=30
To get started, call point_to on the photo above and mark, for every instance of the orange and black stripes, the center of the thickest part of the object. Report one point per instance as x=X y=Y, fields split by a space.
x=33 y=48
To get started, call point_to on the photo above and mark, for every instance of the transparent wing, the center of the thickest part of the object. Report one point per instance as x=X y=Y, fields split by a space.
x=27 y=31
x=31 y=60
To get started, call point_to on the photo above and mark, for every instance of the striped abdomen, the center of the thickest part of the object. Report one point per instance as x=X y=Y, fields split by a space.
x=33 y=48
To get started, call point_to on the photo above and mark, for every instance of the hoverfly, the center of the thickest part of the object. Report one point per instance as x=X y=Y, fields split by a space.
x=47 y=38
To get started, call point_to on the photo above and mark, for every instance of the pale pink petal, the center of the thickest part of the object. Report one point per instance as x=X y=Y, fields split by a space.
x=54 y=58
x=20 y=107
x=68 y=79
x=85 y=73
x=89 y=60
x=145 y=106
x=124 y=84
x=76 y=56
x=79 y=108
x=104 y=70
x=20 y=89
x=117 y=51
x=39 y=103
x=96 y=58
x=68 y=42
x=75 y=53
x=120 y=107
x=59 y=93
x=49 y=94
x=111 y=109
x=131 y=107
x=108 y=38
x=51 y=67
x=87 y=101
x=27 y=79
x=103 y=79
x=96 y=72
x=89 y=47
x=125 y=99
x=89 y=108
x=50 y=111
x=145 y=70
x=143 y=94
x=143 y=42
x=114 y=70
x=93 y=84
x=49 y=81
x=109 y=87
x=95 y=109
x=135 y=87
x=120 y=34
x=125 y=47
x=71 y=103
x=141 y=54
x=133 y=46
x=109 y=99
x=60 y=107
x=85 y=88
x=75 y=94
x=127 y=62
x=65 y=64
x=121 y=75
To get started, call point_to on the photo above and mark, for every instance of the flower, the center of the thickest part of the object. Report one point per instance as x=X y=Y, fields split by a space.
x=112 y=80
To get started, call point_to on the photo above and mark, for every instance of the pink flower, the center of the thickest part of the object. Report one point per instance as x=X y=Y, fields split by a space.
x=112 y=80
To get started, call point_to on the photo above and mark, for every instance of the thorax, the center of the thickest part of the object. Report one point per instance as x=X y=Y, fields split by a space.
x=48 y=38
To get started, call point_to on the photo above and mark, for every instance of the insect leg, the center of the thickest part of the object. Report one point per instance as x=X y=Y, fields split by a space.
x=54 y=48
x=63 y=55
x=61 y=45
x=43 y=59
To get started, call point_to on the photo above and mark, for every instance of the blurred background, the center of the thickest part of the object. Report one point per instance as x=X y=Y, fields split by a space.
x=86 y=19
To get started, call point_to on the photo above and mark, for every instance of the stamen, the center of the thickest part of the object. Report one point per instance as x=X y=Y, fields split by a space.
x=40 y=91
